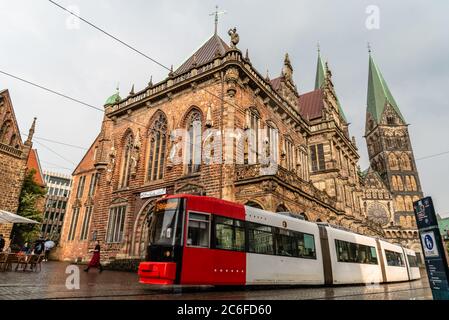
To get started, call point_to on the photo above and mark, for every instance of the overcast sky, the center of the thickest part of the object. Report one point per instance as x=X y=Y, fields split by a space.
x=43 y=44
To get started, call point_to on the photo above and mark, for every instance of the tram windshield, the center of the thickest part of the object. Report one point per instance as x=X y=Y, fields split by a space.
x=166 y=223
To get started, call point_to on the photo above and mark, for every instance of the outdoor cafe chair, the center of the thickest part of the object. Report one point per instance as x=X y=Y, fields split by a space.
x=3 y=258
x=10 y=259
x=37 y=263
x=27 y=260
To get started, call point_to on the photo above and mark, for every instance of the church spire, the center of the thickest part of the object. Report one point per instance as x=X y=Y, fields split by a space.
x=320 y=72
x=31 y=133
x=379 y=95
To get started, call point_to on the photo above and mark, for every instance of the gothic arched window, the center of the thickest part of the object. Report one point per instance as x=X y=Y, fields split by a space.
x=4 y=131
x=157 y=148
x=405 y=162
x=400 y=183
x=399 y=203
x=125 y=173
x=413 y=183
x=13 y=141
x=194 y=142
x=253 y=124
x=408 y=184
x=393 y=161
x=394 y=182
x=408 y=203
x=289 y=154
x=273 y=142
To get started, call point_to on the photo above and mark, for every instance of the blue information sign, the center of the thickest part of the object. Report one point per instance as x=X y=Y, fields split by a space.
x=433 y=248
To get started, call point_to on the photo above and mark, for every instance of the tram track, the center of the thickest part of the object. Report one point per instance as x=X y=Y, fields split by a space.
x=193 y=295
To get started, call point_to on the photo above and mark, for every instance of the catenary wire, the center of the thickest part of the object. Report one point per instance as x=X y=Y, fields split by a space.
x=109 y=35
x=57 y=142
x=155 y=61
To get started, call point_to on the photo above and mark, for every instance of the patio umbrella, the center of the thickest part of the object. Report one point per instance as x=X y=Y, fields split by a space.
x=8 y=217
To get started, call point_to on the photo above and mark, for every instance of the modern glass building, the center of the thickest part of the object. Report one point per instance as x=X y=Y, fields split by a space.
x=59 y=186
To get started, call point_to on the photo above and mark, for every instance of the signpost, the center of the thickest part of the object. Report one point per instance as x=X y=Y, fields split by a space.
x=433 y=248
x=153 y=194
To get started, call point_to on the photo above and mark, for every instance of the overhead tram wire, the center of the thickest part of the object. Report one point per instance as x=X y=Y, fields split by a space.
x=57 y=142
x=54 y=165
x=163 y=66
x=433 y=156
x=133 y=48
x=63 y=95
x=109 y=35
x=54 y=152
x=50 y=90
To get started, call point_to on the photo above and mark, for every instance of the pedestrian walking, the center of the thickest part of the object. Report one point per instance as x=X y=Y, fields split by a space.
x=39 y=246
x=2 y=243
x=95 y=261
x=48 y=245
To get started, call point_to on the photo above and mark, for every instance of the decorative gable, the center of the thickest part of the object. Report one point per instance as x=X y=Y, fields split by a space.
x=9 y=130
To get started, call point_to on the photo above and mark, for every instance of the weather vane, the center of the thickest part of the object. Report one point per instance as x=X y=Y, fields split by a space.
x=216 y=14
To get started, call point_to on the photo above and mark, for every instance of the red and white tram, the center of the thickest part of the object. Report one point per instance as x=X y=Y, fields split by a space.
x=206 y=241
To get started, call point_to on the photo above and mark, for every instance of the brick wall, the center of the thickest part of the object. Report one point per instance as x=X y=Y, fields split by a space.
x=12 y=174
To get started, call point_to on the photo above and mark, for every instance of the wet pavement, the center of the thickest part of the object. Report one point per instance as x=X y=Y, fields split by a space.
x=50 y=283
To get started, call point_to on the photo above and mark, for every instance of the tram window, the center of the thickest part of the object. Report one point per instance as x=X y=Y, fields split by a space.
x=198 y=232
x=412 y=261
x=286 y=244
x=394 y=259
x=355 y=253
x=295 y=244
x=260 y=239
x=229 y=234
x=307 y=246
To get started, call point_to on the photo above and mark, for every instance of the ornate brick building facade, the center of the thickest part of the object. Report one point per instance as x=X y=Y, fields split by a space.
x=14 y=157
x=216 y=127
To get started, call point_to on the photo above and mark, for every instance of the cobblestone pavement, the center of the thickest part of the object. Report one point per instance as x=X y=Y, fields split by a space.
x=50 y=283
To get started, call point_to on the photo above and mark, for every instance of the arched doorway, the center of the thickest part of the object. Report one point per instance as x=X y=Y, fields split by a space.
x=140 y=236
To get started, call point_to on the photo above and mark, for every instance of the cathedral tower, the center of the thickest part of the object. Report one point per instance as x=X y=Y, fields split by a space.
x=390 y=149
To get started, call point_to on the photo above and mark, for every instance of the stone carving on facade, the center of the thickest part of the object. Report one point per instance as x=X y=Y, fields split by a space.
x=135 y=154
x=235 y=38
x=112 y=158
x=231 y=78
x=269 y=186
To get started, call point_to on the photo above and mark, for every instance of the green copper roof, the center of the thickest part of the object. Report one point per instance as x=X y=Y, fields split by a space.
x=319 y=82
x=378 y=93
x=340 y=110
x=320 y=73
x=113 y=99
x=443 y=224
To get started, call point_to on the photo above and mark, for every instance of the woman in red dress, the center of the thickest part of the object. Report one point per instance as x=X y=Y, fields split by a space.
x=95 y=261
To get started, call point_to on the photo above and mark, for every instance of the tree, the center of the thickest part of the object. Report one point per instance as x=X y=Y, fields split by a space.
x=29 y=196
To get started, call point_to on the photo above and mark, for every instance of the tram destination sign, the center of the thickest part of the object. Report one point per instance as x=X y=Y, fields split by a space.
x=433 y=248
